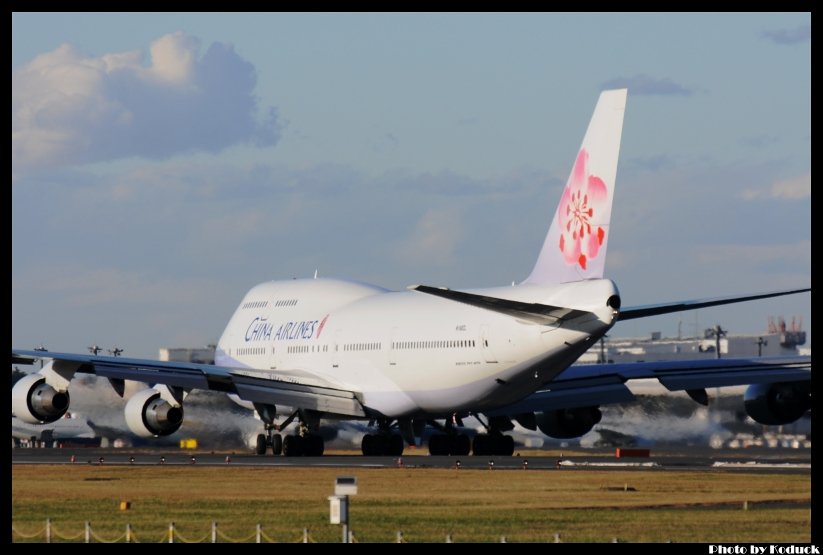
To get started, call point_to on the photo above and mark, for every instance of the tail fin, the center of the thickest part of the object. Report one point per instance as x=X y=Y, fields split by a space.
x=575 y=247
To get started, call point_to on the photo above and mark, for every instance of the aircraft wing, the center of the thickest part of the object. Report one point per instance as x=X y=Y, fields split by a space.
x=586 y=385
x=282 y=387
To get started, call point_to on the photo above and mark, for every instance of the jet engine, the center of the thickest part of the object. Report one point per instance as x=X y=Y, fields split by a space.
x=777 y=403
x=568 y=423
x=36 y=402
x=149 y=415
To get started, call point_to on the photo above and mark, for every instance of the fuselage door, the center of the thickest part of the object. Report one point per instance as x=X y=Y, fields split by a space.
x=335 y=348
x=392 y=345
x=485 y=345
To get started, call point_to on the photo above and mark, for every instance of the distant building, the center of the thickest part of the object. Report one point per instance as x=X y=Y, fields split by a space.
x=777 y=341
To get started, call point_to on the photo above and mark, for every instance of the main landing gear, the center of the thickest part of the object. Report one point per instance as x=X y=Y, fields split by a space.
x=493 y=444
x=307 y=445
x=483 y=445
x=377 y=445
x=451 y=442
x=269 y=439
x=385 y=442
x=301 y=443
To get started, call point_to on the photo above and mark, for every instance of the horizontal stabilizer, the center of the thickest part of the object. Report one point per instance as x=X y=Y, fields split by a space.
x=666 y=308
x=532 y=312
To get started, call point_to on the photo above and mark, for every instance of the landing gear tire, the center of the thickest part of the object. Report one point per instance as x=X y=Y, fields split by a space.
x=379 y=445
x=493 y=444
x=367 y=445
x=301 y=446
x=506 y=446
x=395 y=445
x=373 y=445
x=293 y=446
x=444 y=444
x=313 y=446
x=460 y=445
x=439 y=445
x=260 y=447
x=481 y=445
x=276 y=444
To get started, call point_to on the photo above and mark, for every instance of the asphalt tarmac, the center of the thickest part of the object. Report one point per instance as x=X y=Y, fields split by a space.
x=767 y=460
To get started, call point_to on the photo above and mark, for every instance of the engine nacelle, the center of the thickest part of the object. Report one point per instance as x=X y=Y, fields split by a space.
x=36 y=402
x=568 y=423
x=778 y=403
x=149 y=415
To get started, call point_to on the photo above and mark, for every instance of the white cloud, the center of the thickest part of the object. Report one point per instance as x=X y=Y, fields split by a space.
x=434 y=238
x=173 y=58
x=795 y=35
x=68 y=108
x=795 y=188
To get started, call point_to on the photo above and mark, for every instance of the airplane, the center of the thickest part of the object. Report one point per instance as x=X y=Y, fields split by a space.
x=94 y=349
x=309 y=349
x=71 y=427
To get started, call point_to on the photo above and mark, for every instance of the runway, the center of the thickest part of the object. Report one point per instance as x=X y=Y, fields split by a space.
x=765 y=460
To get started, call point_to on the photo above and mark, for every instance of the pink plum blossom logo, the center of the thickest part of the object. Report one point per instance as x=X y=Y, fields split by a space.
x=583 y=198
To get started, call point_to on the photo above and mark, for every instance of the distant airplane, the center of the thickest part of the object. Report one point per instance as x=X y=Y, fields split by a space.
x=94 y=349
x=312 y=349
x=115 y=351
x=71 y=427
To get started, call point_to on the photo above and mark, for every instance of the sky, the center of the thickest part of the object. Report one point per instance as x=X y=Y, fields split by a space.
x=163 y=164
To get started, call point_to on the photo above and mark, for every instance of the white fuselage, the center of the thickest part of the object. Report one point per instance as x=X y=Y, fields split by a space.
x=409 y=353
